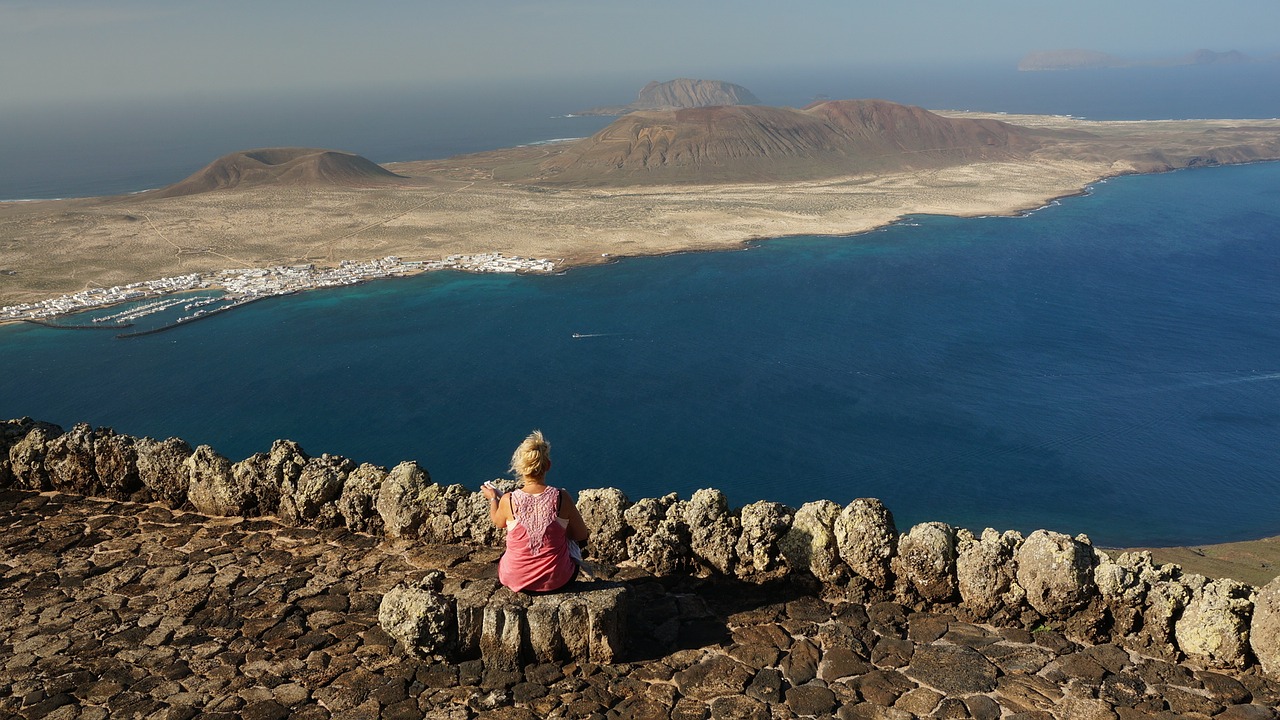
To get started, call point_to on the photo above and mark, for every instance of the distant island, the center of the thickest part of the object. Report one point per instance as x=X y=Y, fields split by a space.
x=652 y=182
x=1074 y=59
x=680 y=93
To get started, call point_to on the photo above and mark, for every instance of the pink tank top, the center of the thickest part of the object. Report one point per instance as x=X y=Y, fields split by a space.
x=537 y=556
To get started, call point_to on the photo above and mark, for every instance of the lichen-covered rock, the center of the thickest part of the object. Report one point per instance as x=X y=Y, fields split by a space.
x=162 y=468
x=252 y=472
x=471 y=517
x=115 y=462
x=1056 y=571
x=665 y=551
x=69 y=461
x=713 y=530
x=659 y=541
x=1165 y=602
x=603 y=512
x=1214 y=628
x=810 y=543
x=13 y=432
x=866 y=537
x=420 y=616
x=764 y=523
x=310 y=499
x=356 y=503
x=400 y=498
x=984 y=572
x=646 y=514
x=266 y=474
x=27 y=458
x=212 y=489
x=440 y=502
x=1122 y=589
x=926 y=560
x=1119 y=580
x=1264 y=628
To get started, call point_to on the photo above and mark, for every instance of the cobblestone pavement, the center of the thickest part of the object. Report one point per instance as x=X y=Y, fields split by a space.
x=111 y=609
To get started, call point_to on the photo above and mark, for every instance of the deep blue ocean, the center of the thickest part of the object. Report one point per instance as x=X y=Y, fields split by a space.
x=1109 y=364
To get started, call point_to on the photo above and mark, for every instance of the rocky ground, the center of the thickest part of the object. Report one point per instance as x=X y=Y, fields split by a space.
x=116 y=609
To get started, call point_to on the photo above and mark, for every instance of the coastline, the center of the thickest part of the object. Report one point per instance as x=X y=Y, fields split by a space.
x=482 y=262
x=497 y=203
x=395 y=267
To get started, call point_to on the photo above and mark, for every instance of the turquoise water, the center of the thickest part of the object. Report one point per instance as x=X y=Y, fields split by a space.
x=1109 y=364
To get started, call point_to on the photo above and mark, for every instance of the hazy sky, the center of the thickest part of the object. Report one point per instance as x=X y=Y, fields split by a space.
x=52 y=50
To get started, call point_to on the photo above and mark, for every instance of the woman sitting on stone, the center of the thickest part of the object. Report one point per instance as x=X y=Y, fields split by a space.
x=540 y=520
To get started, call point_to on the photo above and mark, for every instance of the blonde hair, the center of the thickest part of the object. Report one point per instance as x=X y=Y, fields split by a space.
x=533 y=457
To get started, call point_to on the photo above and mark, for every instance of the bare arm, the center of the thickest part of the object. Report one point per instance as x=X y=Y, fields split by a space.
x=499 y=512
x=577 y=529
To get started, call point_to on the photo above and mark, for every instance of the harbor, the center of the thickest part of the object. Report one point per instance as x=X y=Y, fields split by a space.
x=238 y=287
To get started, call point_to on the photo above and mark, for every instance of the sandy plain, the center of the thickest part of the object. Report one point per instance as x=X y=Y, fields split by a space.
x=495 y=202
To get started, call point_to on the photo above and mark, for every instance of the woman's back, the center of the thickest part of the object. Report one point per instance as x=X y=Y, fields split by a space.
x=537 y=556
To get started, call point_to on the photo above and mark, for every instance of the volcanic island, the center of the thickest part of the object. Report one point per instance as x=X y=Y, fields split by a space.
x=652 y=182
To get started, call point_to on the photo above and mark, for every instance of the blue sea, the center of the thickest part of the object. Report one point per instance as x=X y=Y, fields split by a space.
x=1109 y=364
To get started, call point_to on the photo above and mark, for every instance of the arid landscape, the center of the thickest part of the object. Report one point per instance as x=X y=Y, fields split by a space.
x=653 y=182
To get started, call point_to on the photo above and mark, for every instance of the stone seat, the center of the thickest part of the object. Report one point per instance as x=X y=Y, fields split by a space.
x=479 y=618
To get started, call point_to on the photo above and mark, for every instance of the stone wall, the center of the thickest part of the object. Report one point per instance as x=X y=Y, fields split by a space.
x=1044 y=579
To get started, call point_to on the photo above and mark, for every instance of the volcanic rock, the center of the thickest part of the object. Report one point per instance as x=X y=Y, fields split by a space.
x=282 y=166
x=926 y=559
x=603 y=513
x=764 y=524
x=984 y=571
x=399 y=500
x=866 y=537
x=1264 y=629
x=1056 y=571
x=359 y=493
x=713 y=530
x=810 y=543
x=753 y=143
x=419 y=616
x=162 y=468
x=69 y=461
x=213 y=489
x=1214 y=628
x=311 y=498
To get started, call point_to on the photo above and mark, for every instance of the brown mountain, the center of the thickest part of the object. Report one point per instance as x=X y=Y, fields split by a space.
x=283 y=166
x=681 y=93
x=756 y=143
